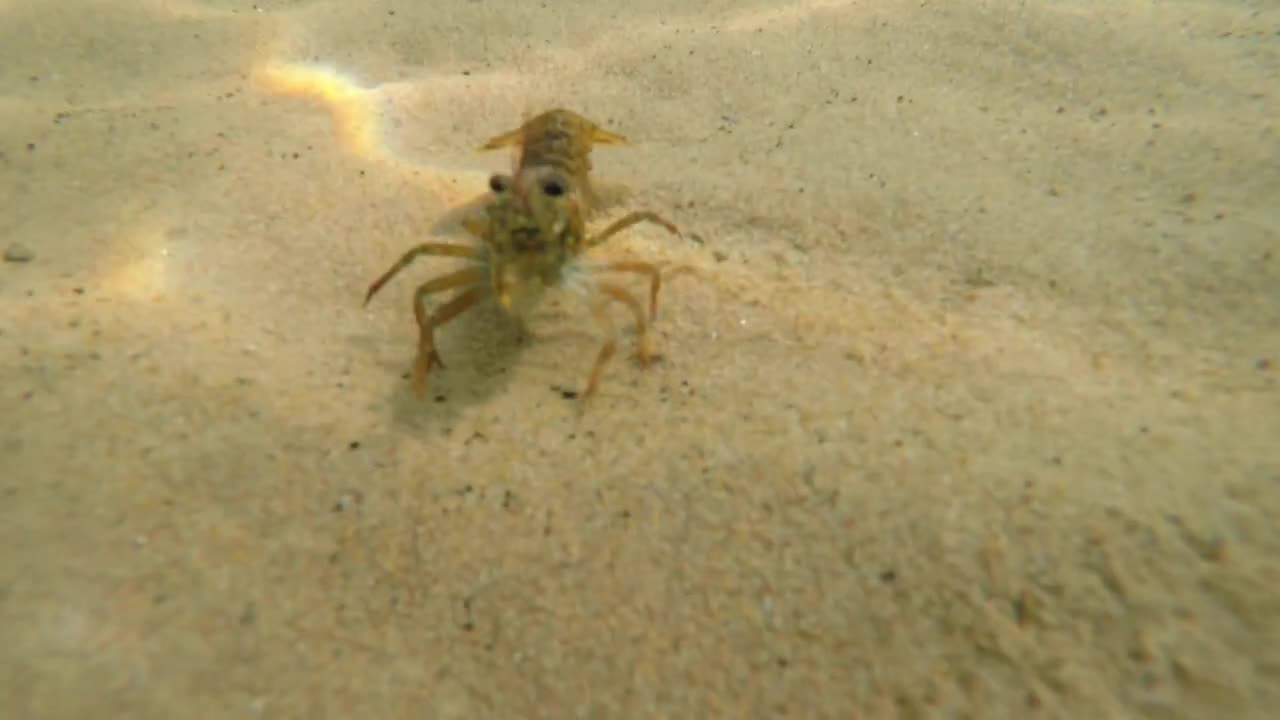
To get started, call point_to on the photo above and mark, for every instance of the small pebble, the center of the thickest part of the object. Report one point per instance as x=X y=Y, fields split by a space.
x=18 y=253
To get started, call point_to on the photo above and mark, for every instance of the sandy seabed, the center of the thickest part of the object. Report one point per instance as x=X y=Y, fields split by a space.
x=967 y=404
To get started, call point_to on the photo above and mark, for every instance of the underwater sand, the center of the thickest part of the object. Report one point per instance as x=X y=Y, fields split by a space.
x=967 y=404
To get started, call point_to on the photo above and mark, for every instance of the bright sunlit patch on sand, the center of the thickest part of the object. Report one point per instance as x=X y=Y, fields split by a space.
x=142 y=272
x=143 y=278
x=369 y=118
x=354 y=108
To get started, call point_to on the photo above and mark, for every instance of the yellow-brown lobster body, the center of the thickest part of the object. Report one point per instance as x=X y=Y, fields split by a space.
x=532 y=236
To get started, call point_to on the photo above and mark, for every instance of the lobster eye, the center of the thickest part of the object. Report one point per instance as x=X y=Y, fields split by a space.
x=553 y=187
x=499 y=183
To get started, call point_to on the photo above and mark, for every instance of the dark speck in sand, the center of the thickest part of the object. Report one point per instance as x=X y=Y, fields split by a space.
x=19 y=253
